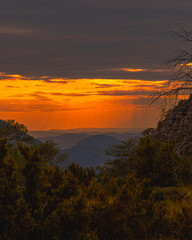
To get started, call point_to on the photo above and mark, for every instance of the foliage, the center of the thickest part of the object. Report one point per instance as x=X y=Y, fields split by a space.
x=119 y=164
x=145 y=192
x=14 y=131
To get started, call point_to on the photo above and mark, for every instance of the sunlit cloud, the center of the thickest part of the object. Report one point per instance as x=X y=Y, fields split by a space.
x=33 y=106
x=88 y=101
x=48 y=79
x=133 y=70
x=14 y=77
x=187 y=64
x=141 y=70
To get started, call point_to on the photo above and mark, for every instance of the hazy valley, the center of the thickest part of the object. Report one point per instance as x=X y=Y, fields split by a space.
x=87 y=147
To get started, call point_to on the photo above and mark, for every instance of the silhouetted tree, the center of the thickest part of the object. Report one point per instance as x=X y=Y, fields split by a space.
x=180 y=82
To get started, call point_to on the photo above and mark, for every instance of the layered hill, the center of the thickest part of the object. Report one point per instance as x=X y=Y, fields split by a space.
x=69 y=140
x=66 y=140
x=44 y=134
x=91 y=151
x=88 y=131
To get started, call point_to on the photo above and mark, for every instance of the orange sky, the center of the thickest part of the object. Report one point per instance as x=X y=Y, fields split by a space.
x=48 y=103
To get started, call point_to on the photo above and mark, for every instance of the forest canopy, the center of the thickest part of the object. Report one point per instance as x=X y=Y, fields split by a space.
x=143 y=193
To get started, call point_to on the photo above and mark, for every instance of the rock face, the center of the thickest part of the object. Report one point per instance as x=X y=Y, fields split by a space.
x=177 y=126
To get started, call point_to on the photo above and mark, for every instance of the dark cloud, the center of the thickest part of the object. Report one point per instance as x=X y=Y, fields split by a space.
x=59 y=80
x=88 y=39
x=139 y=101
x=125 y=93
x=12 y=86
x=72 y=94
x=41 y=95
x=32 y=106
x=105 y=85
x=47 y=79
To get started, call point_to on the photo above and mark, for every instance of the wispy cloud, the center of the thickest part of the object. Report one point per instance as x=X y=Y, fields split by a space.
x=41 y=95
x=105 y=85
x=16 y=30
x=133 y=69
x=47 y=79
x=5 y=76
x=12 y=86
x=33 y=106
x=125 y=93
x=140 y=70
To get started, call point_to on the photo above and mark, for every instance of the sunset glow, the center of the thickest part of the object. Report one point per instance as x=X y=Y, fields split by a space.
x=47 y=103
x=133 y=70
x=75 y=64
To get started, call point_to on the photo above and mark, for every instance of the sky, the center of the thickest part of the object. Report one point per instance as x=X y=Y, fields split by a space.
x=81 y=63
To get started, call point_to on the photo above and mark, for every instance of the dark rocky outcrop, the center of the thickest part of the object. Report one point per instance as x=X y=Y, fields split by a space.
x=177 y=127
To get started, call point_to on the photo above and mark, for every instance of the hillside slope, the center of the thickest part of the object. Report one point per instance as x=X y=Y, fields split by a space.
x=66 y=140
x=91 y=151
x=69 y=140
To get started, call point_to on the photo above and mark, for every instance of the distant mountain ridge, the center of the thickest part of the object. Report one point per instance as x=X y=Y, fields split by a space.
x=91 y=151
x=89 y=131
x=99 y=140
x=86 y=149
x=68 y=140
x=123 y=136
x=41 y=134
x=100 y=130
